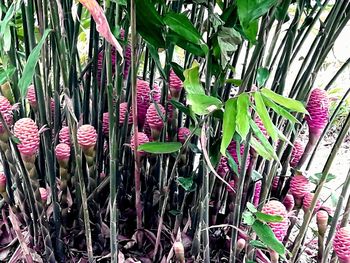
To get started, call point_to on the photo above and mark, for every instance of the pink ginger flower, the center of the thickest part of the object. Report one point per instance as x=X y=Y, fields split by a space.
x=2 y=182
x=232 y=184
x=105 y=124
x=175 y=85
x=322 y=221
x=275 y=183
x=222 y=168
x=153 y=119
x=31 y=97
x=6 y=111
x=341 y=244
x=297 y=152
x=156 y=94
x=257 y=191
x=62 y=152
x=143 y=100
x=318 y=108
x=288 y=202
x=43 y=194
x=179 y=251
x=142 y=139
x=27 y=132
x=87 y=137
x=64 y=136
x=299 y=187
x=123 y=110
x=182 y=134
x=274 y=207
x=307 y=202
x=232 y=149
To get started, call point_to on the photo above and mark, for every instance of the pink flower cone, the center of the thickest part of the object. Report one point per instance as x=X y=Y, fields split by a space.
x=123 y=109
x=322 y=221
x=274 y=207
x=288 y=202
x=232 y=184
x=175 y=85
x=64 y=136
x=62 y=152
x=156 y=94
x=299 y=187
x=179 y=251
x=27 y=132
x=318 y=108
x=100 y=64
x=143 y=101
x=240 y=244
x=142 y=139
x=127 y=61
x=261 y=126
x=155 y=121
x=257 y=191
x=6 y=111
x=233 y=152
x=2 y=182
x=341 y=244
x=182 y=134
x=44 y=194
x=87 y=137
x=307 y=202
x=31 y=97
x=105 y=124
x=297 y=152
x=275 y=182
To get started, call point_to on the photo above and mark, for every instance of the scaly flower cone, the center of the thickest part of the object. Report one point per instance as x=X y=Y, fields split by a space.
x=232 y=149
x=297 y=152
x=105 y=124
x=62 y=152
x=154 y=120
x=288 y=202
x=275 y=182
x=322 y=222
x=175 y=85
x=222 y=168
x=6 y=112
x=182 y=134
x=143 y=100
x=142 y=139
x=318 y=108
x=257 y=192
x=307 y=202
x=299 y=187
x=341 y=244
x=64 y=136
x=31 y=97
x=3 y=192
x=27 y=132
x=87 y=138
x=123 y=111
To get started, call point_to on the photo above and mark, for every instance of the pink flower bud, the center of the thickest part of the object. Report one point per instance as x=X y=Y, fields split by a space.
x=182 y=134
x=6 y=111
x=341 y=244
x=240 y=244
x=288 y=202
x=87 y=136
x=232 y=149
x=299 y=186
x=156 y=94
x=143 y=100
x=62 y=152
x=297 y=152
x=142 y=139
x=275 y=183
x=307 y=202
x=2 y=182
x=222 y=168
x=175 y=85
x=257 y=191
x=44 y=194
x=31 y=97
x=105 y=124
x=274 y=207
x=153 y=119
x=27 y=132
x=64 y=136
x=322 y=221
x=179 y=251
x=123 y=110
x=232 y=184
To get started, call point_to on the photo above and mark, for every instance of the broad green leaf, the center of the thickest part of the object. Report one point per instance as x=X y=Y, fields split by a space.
x=160 y=147
x=289 y=103
x=260 y=149
x=192 y=83
x=262 y=76
x=264 y=116
x=228 y=40
x=186 y=183
x=183 y=109
x=268 y=218
x=198 y=50
x=155 y=56
x=266 y=235
x=248 y=218
x=29 y=68
x=251 y=208
x=281 y=10
x=235 y=82
x=249 y=10
x=279 y=110
x=149 y=23
x=261 y=137
x=243 y=115
x=251 y=31
x=5 y=75
x=179 y=71
x=229 y=124
x=257 y=244
x=180 y=24
x=203 y=104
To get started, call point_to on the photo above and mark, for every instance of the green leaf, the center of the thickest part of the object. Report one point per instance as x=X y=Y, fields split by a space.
x=282 y=10
x=266 y=235
x=180 y=24
x=198 y=50
x=279 y=110
x=248 y=218
x=260 y=149
x=192 y=83
x=249 y=10
x=179 y=71
x=228 y=41
x=256 y=176
x=186 y=183
x=149 y=23
x=262 y=76
x=257 y=244
x=5 y=75
x=251 y=31
x=264 y=116
x=235 y=82
x=316 y=178
x=175 y=212
x=160 y=147
x=229 y=124
x=183 y=108
x=155 y=56
x=290 y=104
x=29 y=68
x=268 y=218
x=243 y=115
x=232 y=163
x=251 y=208
x=203 y=104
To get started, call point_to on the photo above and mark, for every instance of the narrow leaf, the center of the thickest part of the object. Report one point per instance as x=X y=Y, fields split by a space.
x=268 y=218
x=243 y=115
x=203 y=104
x=279 y=110
x=155 y=56
x=229 y=124
x=260 y=149
x=29 y=68
x=266 y=235
x=186 y=183
x=160 y=147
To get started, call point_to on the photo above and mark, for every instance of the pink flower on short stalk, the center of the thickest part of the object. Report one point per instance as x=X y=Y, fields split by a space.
x=182 y=134
x=105 y=124
x=31 y=97
x=62 y=152
x=2 y=182
x=6 y=111
x=27 y=132
x=127 y=60
x=275 y=183
x=299 y=187
x=123 y=110
x=232 y=149
x=297 y=152
x=307 y=202
x=143 y=100
x=288 y=202
x=341 y=244
x=142 y=139
x=274 y=207
x=153 y=119
x=86 y=136
x=257 y=191
x=322 y=221
x=156 y=94
x=64 y=136
x=222 y=168
x=175 y=85
x=44 y=194
x=318 y=108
